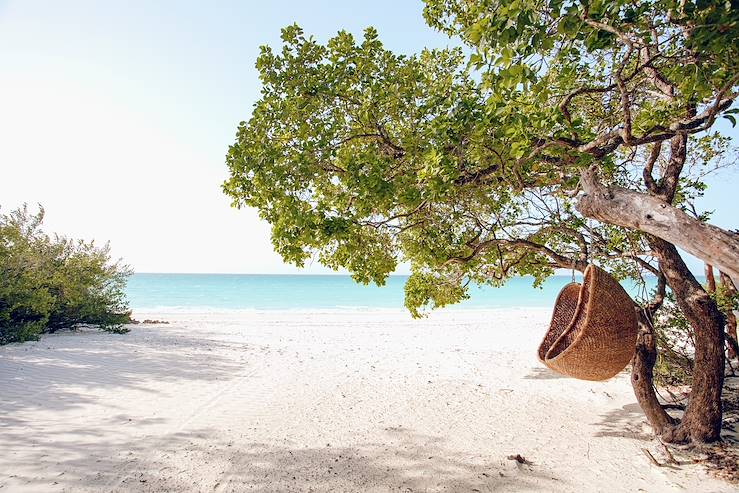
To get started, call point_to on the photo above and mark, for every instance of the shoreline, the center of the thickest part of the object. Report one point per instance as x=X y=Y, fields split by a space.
x=402 y=311
x=341 y=401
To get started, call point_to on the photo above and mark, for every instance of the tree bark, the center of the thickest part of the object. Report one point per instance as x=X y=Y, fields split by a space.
x=702 y=419
x=710 y=279
x=647 y=213
x=642 y=378
x=730 y=289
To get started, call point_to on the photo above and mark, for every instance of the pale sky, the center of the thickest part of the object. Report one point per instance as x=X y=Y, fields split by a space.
x=116 y=116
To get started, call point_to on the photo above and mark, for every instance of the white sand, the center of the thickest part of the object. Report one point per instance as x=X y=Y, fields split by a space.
x=319 y=402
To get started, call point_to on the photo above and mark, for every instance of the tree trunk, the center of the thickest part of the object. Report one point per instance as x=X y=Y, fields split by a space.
x=710 y=279
x=702 y=419
x=641 y=378
x=730 y=289
x=644 y=212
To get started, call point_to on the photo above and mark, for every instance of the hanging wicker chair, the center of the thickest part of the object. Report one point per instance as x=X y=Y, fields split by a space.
x=592 y=335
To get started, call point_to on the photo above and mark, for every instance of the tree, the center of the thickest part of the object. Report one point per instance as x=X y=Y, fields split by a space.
x=537 y=151
x=51 y=283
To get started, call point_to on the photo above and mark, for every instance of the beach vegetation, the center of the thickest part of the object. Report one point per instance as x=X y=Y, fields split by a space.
x=48 y=283
x=559 y=134
x=676 y=336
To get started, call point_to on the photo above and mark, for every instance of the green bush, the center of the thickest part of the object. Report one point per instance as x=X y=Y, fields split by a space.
x=675 y=340
x=49 y=283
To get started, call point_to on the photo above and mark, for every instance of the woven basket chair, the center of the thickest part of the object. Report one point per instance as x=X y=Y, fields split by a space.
x=592 y=335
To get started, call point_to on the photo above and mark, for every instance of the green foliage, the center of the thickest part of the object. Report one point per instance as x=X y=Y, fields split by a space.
x=675 y=340
x=50 y=283
x=558 y=41
x=426 y=289
x=467 y=165
x=675 y=337
x=359 y=156
x=727 y=299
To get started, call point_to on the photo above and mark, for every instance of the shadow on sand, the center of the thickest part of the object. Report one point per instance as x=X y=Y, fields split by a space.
x=542 y=373
x=201 y=461
x=37 y=375
x=626 y=422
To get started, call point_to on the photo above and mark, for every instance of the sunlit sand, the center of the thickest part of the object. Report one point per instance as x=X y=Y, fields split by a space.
x=331 y=401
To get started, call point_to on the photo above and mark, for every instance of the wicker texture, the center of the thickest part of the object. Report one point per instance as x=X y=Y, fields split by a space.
x=592 y=335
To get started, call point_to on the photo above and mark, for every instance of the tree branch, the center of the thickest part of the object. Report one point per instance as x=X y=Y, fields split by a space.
x=644 y=212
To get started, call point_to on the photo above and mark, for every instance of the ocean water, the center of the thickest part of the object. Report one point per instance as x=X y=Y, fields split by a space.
x=225 y=292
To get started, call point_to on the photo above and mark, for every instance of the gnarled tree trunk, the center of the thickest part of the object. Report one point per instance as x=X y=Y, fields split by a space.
x=647 y=213
x=702 y=419
x=642 y=378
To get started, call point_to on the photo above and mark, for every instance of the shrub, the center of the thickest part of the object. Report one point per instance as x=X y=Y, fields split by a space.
x=49 y=283
x=676 y=345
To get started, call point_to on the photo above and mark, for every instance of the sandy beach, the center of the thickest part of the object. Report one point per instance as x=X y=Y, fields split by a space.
x=334 y=401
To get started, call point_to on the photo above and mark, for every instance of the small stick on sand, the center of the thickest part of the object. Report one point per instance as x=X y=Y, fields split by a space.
x=520 y=459
x=670 y=457
x=651 y=457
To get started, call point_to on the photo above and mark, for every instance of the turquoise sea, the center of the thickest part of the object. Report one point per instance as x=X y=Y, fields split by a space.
x=225 y=292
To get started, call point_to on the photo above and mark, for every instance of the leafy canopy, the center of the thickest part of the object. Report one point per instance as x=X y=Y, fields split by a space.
x=466 y=166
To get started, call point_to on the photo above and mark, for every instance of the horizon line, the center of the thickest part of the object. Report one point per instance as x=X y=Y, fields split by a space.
x=325 y=274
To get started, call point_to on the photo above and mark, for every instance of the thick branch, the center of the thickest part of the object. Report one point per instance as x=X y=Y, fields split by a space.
x=671 y=174
x=647 y=173
x=642 y=212
x=611 y=140
x=666 y=88
x=557 y=259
